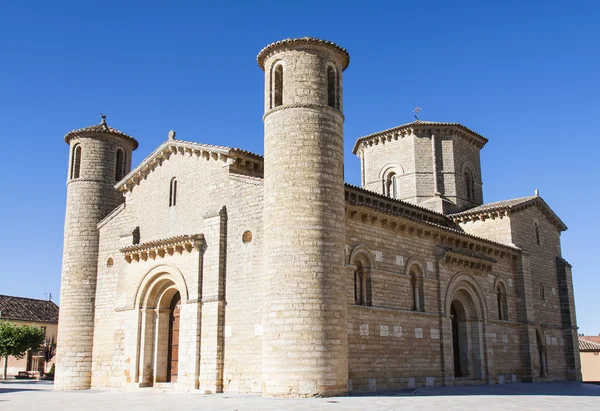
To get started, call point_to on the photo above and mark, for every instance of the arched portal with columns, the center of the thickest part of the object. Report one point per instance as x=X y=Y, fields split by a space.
x=160 y=298
x=465 y=308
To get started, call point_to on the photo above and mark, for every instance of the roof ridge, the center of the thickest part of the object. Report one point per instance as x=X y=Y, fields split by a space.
x=27 y=298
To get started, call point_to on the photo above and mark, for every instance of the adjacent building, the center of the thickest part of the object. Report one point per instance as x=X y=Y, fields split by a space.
x=29 y=311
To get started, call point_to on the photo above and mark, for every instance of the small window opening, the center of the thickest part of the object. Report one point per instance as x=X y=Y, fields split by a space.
x=542 y=292
x=416 y=285
x=391 y=185
x=362 y=286
x=120 y=166
x=502 y=303
x=537 y=233
x=173 y=193
x=76 y=162
x=278 y=85
x=469 y=185
x=332 y=87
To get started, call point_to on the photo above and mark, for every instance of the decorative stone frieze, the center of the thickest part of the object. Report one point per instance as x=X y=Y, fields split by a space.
x=468 y=259
x=161 y=248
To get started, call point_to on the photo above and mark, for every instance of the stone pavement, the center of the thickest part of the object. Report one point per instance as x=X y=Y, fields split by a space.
x=30 y=395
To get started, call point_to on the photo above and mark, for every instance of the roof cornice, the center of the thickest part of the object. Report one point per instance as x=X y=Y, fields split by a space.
x=421 y=129
x=241 y=158
x=161 y=248
x=269 y=49
x=400 y=220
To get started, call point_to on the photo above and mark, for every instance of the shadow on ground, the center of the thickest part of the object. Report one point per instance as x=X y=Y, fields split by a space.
x=575 y=389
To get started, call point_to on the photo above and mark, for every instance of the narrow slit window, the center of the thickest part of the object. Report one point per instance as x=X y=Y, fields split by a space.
x=278 y=86
x=502 y=302
x=392 y=185
x=173 y=193
x=537 y=233
x=331 y=87
x=469 y=186
x=542 y=292
x=120 y=166
x=76 y=162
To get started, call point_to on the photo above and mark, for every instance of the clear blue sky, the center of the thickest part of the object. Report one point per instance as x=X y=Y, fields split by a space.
x=522 y=73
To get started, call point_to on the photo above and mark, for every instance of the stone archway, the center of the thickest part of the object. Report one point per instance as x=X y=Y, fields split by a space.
x=467 y=314
x=159 y=298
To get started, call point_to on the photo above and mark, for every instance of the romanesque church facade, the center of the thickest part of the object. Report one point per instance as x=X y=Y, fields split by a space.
x=215 y=269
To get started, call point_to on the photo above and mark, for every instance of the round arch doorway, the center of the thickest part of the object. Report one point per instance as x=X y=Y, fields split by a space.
x=467 y=341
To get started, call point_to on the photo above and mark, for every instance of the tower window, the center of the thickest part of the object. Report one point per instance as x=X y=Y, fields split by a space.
x=76 y=162
x=173 y=193
x=120 y=166
x=537 y=233
x=469 y=185
x=277 y=88
x=391 y=185
x=332 y=86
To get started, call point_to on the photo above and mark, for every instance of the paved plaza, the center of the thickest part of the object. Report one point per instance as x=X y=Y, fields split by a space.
x=540 y=396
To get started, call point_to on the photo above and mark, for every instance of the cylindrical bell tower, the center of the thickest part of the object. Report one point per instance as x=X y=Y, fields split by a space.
x=100 y=156
x=305 y=343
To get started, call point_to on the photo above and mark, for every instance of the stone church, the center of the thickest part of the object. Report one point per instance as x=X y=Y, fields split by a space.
x=211 y=268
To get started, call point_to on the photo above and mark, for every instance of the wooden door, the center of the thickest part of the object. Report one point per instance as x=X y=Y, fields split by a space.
x=174 y=338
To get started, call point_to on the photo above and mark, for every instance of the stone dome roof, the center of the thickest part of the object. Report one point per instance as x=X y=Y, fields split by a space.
x=262 y=55
x=100 y=128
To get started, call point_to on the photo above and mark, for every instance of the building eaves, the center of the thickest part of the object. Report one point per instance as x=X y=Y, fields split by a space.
x=588 y=346
x=374 y=201
x=419 y=124
x=509 y=206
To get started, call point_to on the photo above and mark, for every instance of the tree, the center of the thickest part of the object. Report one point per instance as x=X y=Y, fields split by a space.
x=15 y=340
x=49 y=349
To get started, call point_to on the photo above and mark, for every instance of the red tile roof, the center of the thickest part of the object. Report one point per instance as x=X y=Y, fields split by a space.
x=28 y=309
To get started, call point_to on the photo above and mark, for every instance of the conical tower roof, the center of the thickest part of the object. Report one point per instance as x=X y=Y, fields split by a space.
x=100 y=128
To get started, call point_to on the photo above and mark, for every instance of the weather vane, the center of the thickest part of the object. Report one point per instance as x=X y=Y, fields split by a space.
x=103 y=122
x=416 y=111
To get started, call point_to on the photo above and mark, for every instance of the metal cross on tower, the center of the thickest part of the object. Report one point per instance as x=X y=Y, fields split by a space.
x=416 y=111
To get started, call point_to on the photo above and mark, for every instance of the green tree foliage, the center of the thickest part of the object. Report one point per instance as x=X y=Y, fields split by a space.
x=15 y=340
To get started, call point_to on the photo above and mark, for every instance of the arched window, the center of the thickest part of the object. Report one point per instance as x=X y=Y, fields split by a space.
x=502 y=302
x=469 y=185
x=120 y=165
x=416 y=285
x=362 y=285
x=537 y=232
x=76 y=162
x=173 y=193
x=277 y=85
x=391 y=185
x=332 y=85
